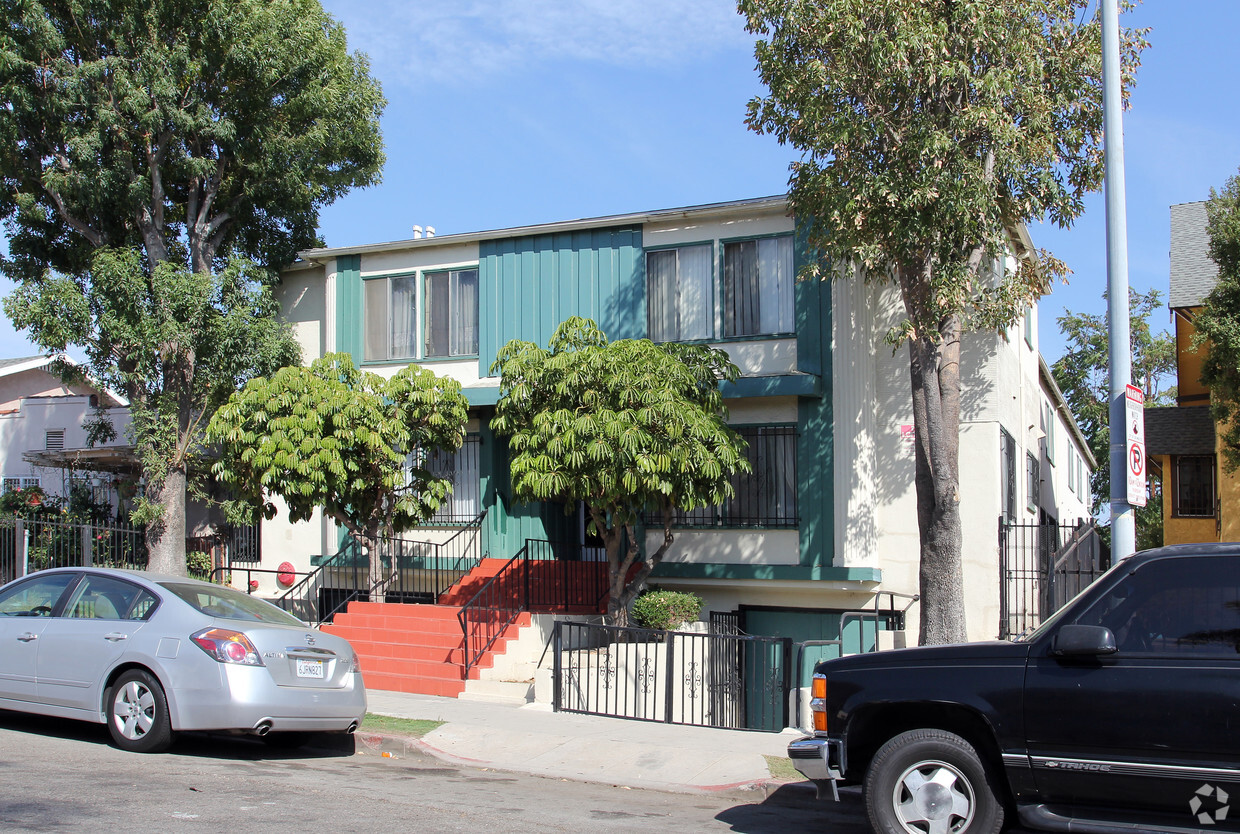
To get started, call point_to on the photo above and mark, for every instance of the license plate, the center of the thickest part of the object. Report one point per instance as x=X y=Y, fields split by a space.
x=309 y=668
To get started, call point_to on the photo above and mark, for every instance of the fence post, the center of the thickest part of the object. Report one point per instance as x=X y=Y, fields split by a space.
x=670 y=678
x=88 y=540
x=20 y=551
x=1003 y=582
x=558 y=644
x=787 y=675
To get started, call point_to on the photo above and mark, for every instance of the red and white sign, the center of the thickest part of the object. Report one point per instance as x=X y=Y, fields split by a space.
x=1134 y=431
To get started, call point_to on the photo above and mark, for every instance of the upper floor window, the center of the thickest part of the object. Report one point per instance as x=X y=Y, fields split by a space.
x=680 y=304
x=1048 y=428
x=1033 y=485
x=757 y=287
x=391 y=318
x=765 y=497
x=1007 y=465
x=1193 y=495
x=452 y=313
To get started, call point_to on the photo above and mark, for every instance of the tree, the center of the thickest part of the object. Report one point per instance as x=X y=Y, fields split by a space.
x=929 y=131
x=1083 y=375
x=194 y=133
x=349 y=441
x=1218 y=323
x=622 y=427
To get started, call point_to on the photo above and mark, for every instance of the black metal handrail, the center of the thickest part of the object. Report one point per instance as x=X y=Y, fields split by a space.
x=496 y=606
x=417 y=571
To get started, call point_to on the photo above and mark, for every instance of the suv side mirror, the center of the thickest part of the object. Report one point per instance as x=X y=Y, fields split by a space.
x=1083 y=641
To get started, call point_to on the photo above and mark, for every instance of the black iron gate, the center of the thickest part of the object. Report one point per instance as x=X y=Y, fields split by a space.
x=732 y=681
x=1041 y=567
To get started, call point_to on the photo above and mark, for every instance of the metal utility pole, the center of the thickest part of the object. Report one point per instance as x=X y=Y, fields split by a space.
x=1123 y=523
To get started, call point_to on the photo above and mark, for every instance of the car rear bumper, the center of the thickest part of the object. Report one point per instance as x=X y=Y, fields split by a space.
x=249 y=700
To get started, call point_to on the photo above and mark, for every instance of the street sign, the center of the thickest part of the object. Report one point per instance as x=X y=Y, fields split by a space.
x=1134 y=431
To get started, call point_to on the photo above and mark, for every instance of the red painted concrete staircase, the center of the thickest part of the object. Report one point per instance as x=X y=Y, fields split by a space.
x=420 y=648
x=413 y=648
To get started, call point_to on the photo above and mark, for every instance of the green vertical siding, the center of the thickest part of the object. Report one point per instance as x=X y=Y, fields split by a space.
x=350 y=318
x=529 y=285
x=816 y=441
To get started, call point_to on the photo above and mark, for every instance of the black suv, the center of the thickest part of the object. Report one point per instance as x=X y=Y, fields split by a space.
x=1120 y=713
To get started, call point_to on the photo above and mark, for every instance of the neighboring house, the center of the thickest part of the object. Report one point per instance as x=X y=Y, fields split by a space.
x=828 y=518
x=43 y=435
x=1199 y=498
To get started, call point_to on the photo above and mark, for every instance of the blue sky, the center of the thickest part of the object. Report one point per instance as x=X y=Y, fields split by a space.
x=582 y=108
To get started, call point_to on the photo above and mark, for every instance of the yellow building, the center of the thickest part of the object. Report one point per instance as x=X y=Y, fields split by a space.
x=1199 y=498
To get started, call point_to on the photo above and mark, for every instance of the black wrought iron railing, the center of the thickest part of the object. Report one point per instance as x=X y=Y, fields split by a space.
x=411 y=571
x=544 y=576
x=30 y=544
x=1041 y=567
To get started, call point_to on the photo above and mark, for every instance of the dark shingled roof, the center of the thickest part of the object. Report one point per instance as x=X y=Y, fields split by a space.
x=1193 y=273
x=1179 y=430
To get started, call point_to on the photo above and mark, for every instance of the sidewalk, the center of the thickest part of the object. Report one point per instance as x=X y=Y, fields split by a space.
x=613 y=751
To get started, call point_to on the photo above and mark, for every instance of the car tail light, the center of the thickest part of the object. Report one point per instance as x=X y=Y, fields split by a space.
x=227 y=646
x=356 y=664
x=818 y=702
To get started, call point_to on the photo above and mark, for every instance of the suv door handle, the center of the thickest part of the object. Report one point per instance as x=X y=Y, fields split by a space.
x=27 y=637
x=115 y=637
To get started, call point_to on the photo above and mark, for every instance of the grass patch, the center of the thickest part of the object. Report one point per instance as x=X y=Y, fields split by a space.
x=415 y=727
x=781 y=768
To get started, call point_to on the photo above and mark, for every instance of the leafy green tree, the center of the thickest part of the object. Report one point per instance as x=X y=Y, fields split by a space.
x=345 y=440
x=154 y=142
x=1083 y=375
x=622 y=427
x=929 y=132
x=1218 y=323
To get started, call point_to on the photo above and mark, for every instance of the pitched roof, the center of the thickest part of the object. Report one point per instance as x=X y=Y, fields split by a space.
x=1179 y=430
x=1193 y=272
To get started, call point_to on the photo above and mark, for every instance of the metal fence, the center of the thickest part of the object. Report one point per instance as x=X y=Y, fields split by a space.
x=1042 y=567
x=729 y=681
x=28 y=545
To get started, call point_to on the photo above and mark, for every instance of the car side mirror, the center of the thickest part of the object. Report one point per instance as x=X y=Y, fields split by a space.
x=1083 y=641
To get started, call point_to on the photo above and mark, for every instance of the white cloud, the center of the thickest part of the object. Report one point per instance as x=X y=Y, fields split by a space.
x=476 y=40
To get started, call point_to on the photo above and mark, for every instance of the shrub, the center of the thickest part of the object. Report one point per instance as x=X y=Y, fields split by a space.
x=666 y=609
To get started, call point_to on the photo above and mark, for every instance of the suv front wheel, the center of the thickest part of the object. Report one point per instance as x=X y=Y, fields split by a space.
x=930 y=782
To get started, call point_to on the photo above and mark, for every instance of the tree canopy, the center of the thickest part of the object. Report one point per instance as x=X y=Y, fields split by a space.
x=152 y=143
x=624 y=427
x=930 y=132
x=1083 y=375
x=346 y=440
x=1218 y=324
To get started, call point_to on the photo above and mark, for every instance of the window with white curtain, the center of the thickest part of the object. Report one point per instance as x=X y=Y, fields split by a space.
x=461 y=470
x=391 y=318
x=680 y=302
x=451 y=319
x=758 y=287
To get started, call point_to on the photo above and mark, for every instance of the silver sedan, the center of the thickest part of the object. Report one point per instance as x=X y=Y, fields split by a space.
x=151 y=655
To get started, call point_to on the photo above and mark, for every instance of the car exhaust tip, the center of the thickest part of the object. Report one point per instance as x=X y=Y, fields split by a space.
x=352 y=728
x=262 y=727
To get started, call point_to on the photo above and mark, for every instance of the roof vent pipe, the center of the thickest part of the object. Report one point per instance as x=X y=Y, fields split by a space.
x=417 y=232
x=430 y=231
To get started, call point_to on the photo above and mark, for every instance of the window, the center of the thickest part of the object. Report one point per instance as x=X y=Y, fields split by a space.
x=1048 y=428
x=1007 y=467
x=105 y=598
x=765 y=497
x=12 y=482
x=1176 y=607
x=1193 y=495
x=451 y=318
x=680 y=304
x=36 y=597
x=1029 y=326
x=391 y=318
x=757 y=287
x=461 y=469
x=1033 y=481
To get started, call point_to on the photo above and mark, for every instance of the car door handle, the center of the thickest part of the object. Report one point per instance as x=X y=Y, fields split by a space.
x=27 y=637
x=115 y=637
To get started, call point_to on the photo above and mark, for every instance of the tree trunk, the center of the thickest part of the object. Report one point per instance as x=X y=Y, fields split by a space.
x=935 y=375
x=165 y=538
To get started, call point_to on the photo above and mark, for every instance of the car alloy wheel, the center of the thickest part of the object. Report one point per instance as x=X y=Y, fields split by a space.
x=138 y=713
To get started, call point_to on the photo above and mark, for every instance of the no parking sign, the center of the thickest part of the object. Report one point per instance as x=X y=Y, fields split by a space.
x=1134 y=427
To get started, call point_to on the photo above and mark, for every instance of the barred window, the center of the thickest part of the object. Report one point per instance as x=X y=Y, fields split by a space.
x=765 y=497
x=1033 y=485
x=1194 y=486
x=1007 y=453
x=461 y=469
